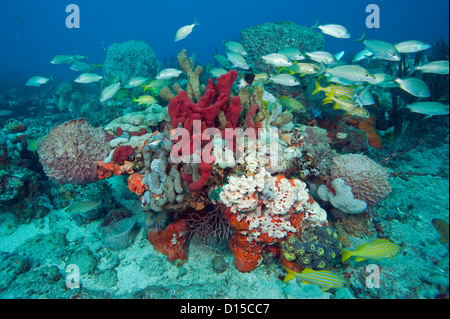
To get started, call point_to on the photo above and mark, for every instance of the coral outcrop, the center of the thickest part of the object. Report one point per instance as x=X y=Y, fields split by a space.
x=70 y=152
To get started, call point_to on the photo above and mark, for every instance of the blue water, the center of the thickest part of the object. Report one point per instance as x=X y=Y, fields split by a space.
x=33 y=31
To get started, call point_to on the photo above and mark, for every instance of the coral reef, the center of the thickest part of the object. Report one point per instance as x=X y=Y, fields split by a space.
x=69 y=153
x=130 y=59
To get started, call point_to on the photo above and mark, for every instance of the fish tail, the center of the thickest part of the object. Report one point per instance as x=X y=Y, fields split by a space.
x=134 y=99
x=345 y=254
x=281 y=69
x=363 y=37
x=195 y=22
x=290 y=274
x=316 y=25
x=317 y=89
x=322 y=70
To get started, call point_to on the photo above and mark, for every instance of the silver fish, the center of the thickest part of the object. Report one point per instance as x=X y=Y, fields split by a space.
x=349 y=72
x=183 y=32
x=168 y=74
x=136 y=81
x=237 y=60
x=109 y=91
x=411 y=46
x=276 y=59
x=217 y=72
x=292 y=54
x=363 y=96
x=380 y=49
x=428 y=108
x=88 y=78
x=37 y=81
x=364 y=54
x=322 y=57
x=235 y=47
x=436 y=67
x=414 y=86
x=334 y=30
x=222 y=60
x=284 y=79
x=83 y=207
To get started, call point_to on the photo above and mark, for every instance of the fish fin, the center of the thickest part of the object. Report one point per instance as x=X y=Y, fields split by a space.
x=363 y=37
x=345 y=254
x=358 y=259
x=324 y=288
x=317 y=89
x=316 y=25
x=290 y=274
x=305 y=282
x=307 y=271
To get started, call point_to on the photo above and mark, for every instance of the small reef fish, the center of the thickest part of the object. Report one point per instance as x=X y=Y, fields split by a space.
x=109 y=91
x=37 y=81
x=32 y=145
x=136 y=81
x=276 y=59
x=145 y=99
x=5 y=112
x=364 y=54
x=414 y=86
x=217 y=72
x=322 y=278
x=411 y=46
x=183 y=32
x=442 y=228
x=322 y=57
x=377 y=250
x=235 y=47
x=292 y=54
x=88 y=78
x=83 y=207
x=380 y=49
x=363 y=96
x=237 y=60
x=79 y=66
x=291 y=104
x=60 y=59
x=428 y=108
x=61 y=102
x=284 y=79
x=222 y=60
x=261 y=77
x=338 y=90
x=155 y=86
x=334 y=30
x=349 y=72
x=435 y=67
x=300 y=68
x=348 y=105
x=168 y=74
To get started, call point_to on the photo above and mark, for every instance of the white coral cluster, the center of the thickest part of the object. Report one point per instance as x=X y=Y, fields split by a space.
x=133 y=122
x=344 y=199
x=266 y=201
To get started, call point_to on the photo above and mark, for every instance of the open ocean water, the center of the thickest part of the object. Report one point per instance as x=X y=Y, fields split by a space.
x=346 y=196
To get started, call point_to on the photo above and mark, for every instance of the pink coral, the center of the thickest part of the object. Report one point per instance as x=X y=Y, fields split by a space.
x=70 y=152
x=369 y=181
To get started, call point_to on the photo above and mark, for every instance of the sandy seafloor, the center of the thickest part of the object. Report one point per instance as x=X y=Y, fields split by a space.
x=34 y=256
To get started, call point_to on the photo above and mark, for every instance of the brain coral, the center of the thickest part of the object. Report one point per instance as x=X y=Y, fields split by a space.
x=369 y=181
x=70 y=151
x=130 y=59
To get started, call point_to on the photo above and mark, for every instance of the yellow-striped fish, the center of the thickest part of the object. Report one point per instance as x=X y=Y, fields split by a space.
x=300 y=68
x=348 y=105
x=322 y=278
x=291 y=104
x=442 y=228
x=339 y=90
x=379 y=249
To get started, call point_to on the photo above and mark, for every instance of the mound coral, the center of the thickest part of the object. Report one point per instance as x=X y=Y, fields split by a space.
x=70 y=152
x=130 y=59
x=369 y=181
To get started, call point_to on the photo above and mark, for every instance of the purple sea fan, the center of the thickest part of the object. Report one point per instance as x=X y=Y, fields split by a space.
x=71 y=150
